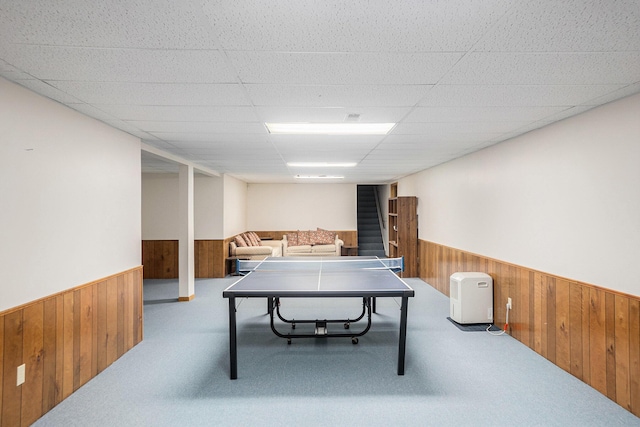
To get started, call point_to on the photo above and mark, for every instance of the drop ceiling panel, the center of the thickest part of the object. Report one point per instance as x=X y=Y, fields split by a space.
x=567 y=26
x=357 y=95
x=238 y=156
x=181 y=113
x=331 y=26
x=208 y=137
x=439 y=137
x=94 y=112
x=513 y=95
x=546 y=68
x=480 y=114
x=198 y=127
x=45 y=89
x=125 y=93
x=121 y=65
x=342 y=68
x=332 y=115
x=617 y=94
x=324 y=156
x=454 y=129
x=109 y=23
x=198 y=78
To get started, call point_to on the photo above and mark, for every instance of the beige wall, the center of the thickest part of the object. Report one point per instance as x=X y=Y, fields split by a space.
x=208 y=207
x=225 y=206
x=69 y=195
x=301 y=206
x=562 y=199
x=235 y=206
x=159 y=206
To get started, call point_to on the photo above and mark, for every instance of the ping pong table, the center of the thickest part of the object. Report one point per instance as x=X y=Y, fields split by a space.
x=367 y=278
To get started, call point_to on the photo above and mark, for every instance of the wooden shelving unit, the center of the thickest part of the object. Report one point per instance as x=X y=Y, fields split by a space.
x=403 y=231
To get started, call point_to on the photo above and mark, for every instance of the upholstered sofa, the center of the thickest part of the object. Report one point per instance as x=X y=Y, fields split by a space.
x=312 y=243
x=249 y=246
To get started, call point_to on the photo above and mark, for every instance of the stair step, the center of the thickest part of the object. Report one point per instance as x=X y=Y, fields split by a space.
x=370 y=241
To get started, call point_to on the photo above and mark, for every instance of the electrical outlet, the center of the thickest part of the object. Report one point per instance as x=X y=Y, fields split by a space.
x=509 y=303
x=20 y=376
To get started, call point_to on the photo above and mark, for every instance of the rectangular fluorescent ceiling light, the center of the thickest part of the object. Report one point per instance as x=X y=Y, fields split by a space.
x=318 y=177
x=320 y=165
x=330 y=128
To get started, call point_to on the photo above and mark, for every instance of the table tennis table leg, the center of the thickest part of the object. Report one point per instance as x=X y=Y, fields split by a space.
x=402 y=341
x=233 y=346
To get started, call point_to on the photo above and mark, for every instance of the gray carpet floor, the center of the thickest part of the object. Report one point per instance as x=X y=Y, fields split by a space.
x=179 y=374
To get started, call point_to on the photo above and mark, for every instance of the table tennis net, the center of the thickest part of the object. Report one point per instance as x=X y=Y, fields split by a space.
x=338 y=264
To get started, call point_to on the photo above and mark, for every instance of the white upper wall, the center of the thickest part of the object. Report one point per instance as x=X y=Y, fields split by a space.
x=160 y=206
x=235 y=206
x=208 y=207
x=302 y=206
x=160 y=215
x=225 y=206
x=70 y=198
x=562 y=199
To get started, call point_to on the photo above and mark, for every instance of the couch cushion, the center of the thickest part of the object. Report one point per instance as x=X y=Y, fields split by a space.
x=299 y=249
x=323 y=248
x=304 y=238
x=240 y=242
x=254 y=250
x=324 y=237
x=255 y=237
x=250 y=239
x=292 y=239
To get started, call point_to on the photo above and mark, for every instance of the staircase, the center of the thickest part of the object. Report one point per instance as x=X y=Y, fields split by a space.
x=369 y=234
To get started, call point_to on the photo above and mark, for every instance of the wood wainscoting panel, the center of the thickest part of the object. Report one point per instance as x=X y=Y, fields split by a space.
x=591 y=332
x=634 y=352
x=1 y=363
x=33 y=357
x=65 y=340
x=12 y=358
x=160 y=259
x=209 y=258
x=203 y=253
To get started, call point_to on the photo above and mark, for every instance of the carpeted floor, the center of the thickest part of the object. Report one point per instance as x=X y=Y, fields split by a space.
x=179 y=374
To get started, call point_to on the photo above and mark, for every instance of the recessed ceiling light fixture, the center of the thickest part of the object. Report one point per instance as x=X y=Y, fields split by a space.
x=330 y=128
x=320 y=165
x=318 y=177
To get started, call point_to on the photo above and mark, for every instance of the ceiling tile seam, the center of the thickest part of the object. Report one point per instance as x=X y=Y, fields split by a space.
x=132 y=48
x=205 y=21
x=507 y=13
x=453 y=67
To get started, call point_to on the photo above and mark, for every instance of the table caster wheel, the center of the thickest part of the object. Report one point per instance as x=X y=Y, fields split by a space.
x=346 y=325
x=354 y=340
x=289 y=341
x=293 y=326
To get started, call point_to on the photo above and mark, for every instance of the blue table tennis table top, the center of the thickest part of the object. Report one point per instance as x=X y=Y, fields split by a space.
x=319 y=277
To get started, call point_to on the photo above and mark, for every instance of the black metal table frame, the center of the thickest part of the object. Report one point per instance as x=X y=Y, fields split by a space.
x=232 y=295
x=321 y=324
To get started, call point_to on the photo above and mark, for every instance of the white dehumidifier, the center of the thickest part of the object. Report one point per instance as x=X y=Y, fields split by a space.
x=471 y=298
